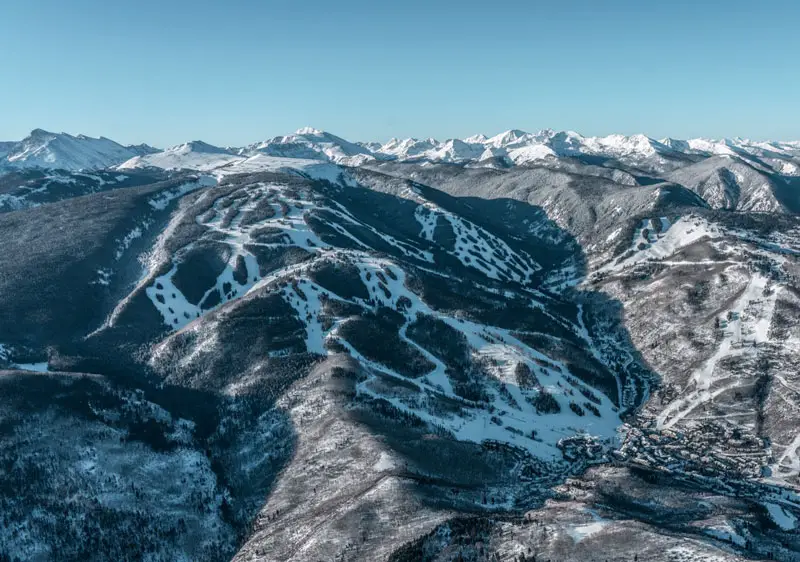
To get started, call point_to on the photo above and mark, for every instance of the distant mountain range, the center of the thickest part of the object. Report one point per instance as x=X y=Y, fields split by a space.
x=45 y=150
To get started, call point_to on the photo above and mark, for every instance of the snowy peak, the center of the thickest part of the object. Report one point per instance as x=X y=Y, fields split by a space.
x=309 y=131
x=476 y=139
x=621 y=145
x=43 y=149
x=566 y=143
x=676 y=144
x=509 y=138
x=709 y=147
x=198 y=146
x=530 y=153
x=451 y=150
x=455 y=150
x=405 y=149
x=40 y=135
x=142 y=149
x=371 y=146
x=314 y=144
x=195 y=155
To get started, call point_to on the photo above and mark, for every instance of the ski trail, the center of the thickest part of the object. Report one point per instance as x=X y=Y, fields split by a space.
x=790 y=454
x=732 y=344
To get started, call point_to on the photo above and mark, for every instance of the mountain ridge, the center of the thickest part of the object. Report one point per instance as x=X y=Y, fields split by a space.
x=42 y=149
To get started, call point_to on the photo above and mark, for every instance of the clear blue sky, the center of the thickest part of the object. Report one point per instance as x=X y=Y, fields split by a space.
x=237 y=71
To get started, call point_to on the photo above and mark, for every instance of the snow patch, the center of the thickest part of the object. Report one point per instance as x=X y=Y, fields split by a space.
x=161 y=202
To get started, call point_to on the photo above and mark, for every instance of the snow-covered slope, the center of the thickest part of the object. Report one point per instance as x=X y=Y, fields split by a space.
x=454 y=150
x=480 y=138
x=408 y=149
x=313 y=144
x=42 y=149
x=705 y=147
x=728 y=182
x=195 y=155
x=142 y=149
x=221 y=162
x=524 y=154
x=621 y=145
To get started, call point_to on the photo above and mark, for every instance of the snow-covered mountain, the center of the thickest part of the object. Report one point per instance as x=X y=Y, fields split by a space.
x=512 y=138
x=407 y=149
x=621 y=145
x=730 y=182
x=528 y=346
x=310 y=143
x=454 y=150
x=142 y=149
x=194 y=155
x=42 y=149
